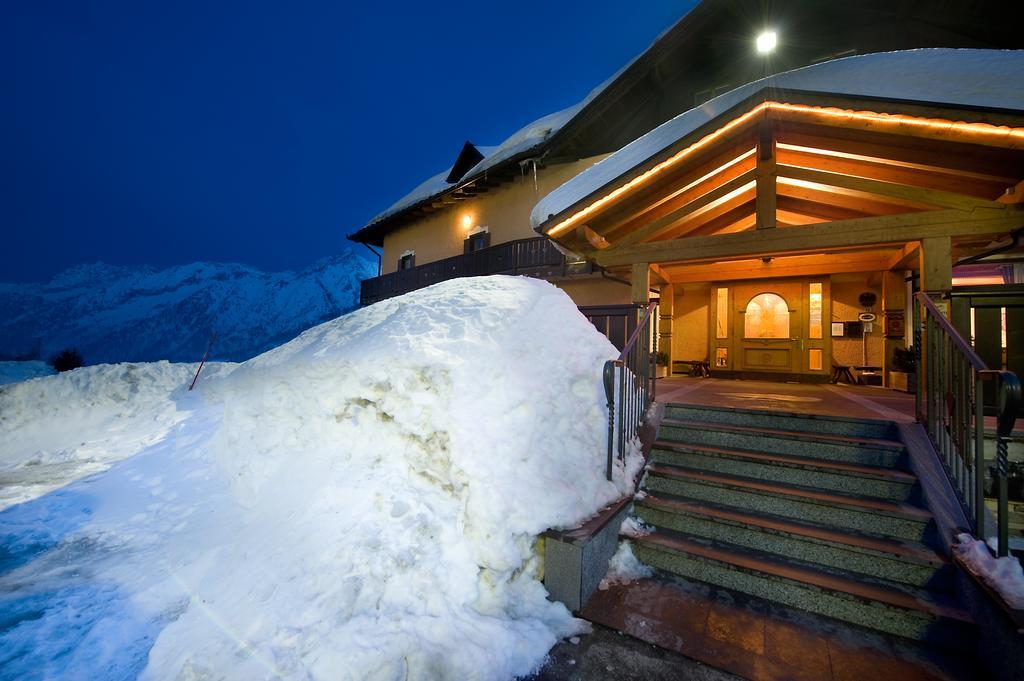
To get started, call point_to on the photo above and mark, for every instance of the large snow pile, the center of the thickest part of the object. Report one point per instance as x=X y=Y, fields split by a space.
x=16 y=372
x=360 y=503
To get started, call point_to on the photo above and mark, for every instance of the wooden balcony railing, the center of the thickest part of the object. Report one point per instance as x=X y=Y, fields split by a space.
x=535 y=257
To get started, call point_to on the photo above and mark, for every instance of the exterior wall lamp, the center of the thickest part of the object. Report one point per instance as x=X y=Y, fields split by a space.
x=766 y=42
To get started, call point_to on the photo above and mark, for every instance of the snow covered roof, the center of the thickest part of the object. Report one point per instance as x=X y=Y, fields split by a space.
x=957 y=77
x=525 y=140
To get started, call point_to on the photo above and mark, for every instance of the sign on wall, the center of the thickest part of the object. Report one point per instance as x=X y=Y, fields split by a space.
x=895 y=324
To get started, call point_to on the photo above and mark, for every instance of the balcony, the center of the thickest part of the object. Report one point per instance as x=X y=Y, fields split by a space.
x=535 y=257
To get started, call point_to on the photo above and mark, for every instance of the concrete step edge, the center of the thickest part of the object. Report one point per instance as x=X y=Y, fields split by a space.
x=786 y=414
x=863 y=504
x=903 y=550
x=867 y=443
x=756 y=562
x=825 y=465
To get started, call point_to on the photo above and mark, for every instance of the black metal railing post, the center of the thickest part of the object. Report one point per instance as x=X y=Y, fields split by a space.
x=629 y=386
x=609 y=393
x=950 y=403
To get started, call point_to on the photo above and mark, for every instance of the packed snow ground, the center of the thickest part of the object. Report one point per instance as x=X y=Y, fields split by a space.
x=360 y=503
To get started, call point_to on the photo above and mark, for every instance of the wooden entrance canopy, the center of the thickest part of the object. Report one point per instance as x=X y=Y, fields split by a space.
x=799 y=183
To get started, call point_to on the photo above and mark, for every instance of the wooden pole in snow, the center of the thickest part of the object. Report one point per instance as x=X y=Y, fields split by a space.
x=207 y=354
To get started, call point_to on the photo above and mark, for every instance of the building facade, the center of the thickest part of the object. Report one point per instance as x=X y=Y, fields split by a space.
x=782 y=222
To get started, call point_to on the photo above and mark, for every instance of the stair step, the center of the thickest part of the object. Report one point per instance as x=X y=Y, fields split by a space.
x=788 y=468
x=875 y=555
x=859 y=450
x=868 y=514
x=793 y=421
x=901 y=611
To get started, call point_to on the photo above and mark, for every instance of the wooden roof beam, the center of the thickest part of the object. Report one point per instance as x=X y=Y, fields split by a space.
x=906 y=258
x=978 y=163
x=927 y=177
x=902 y=192
x=766 y=186
x=657 y=201
x=740 y=217
x=825 y=236
x=855 y=204
x=792 y=266
x=669 y=222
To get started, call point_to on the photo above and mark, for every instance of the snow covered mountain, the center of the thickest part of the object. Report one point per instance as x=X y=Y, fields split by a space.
x=140 y=313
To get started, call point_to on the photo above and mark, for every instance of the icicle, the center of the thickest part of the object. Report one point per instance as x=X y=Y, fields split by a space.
x=535 y=188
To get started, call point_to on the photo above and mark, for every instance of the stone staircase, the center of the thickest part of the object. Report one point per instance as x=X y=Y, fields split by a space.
x=815 y=513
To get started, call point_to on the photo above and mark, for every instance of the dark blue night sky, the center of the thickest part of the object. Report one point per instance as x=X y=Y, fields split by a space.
x=262 y=132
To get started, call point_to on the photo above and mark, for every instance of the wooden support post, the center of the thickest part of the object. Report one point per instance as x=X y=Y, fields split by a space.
x=894 y=301
x=666 y=308
x=765 y=201
x=937 y=268
x=641 y=283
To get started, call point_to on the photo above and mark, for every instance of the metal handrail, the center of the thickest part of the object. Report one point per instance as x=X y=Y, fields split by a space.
x=950 y=403
x=630 y=379
x=961 y=343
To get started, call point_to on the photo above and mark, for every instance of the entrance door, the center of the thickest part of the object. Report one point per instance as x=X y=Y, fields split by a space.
x=776 y=329
x=768 y=322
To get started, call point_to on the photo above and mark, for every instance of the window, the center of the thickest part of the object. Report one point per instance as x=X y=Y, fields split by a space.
x=722 y=314
x=476 y=242
x=721 y=357
x=814 y=311
x=767 y=316
x=407 y=260
x=815 y=358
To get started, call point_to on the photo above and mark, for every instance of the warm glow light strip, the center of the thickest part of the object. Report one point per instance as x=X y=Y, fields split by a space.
x=645 y=177
x=985 y=132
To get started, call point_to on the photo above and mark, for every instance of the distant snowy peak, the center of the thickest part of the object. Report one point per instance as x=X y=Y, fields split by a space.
x=113 y=313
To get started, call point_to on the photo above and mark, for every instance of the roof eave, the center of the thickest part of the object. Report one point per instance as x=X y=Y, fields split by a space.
x=761 y=95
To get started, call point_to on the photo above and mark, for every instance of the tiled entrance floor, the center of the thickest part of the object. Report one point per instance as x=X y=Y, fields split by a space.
x=762 y=641
x=810 y=398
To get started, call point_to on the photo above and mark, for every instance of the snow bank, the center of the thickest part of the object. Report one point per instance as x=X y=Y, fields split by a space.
x=1002 y=574
x=360 y=503
x=16 y=372
x=67 y=426
x=962 y=77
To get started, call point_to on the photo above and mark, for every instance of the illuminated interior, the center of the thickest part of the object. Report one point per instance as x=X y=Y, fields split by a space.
x=767 y=316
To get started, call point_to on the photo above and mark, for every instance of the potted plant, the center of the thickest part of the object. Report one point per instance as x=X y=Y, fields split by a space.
x=661 y=359
x=904 y=370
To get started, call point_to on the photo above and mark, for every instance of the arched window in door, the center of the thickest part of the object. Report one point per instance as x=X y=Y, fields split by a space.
x=767 y=316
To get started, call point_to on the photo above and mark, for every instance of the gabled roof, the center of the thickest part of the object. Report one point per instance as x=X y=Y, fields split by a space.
x=645 y=91
x=525 y=142
x=975 y=79
x=467 y=158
